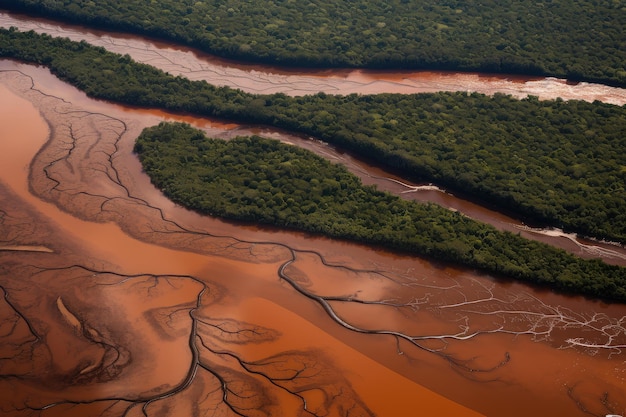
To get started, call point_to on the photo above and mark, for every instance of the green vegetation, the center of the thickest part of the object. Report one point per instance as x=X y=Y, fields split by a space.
x=554 y=162
x=577 y=39
x=265 y=181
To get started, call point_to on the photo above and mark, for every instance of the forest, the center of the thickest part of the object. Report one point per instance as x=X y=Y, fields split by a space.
x=264 y=181
x=578 y=39
x=553 y=163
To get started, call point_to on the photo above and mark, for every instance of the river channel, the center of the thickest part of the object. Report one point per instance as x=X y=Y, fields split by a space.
x=118 y=302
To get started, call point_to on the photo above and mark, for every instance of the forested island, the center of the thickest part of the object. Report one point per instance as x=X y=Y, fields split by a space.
x=579 y=40
x=551 y=163
x=263 y=181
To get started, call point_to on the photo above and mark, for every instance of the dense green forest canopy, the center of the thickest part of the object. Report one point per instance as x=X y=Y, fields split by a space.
x=555 y=162
x=558 y=163
x=577 y=39
x=264 y=181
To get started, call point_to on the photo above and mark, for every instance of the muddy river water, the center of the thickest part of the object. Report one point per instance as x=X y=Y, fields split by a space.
x=117 y=302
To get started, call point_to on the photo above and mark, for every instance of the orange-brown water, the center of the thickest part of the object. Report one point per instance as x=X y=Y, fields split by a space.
x=140 y=306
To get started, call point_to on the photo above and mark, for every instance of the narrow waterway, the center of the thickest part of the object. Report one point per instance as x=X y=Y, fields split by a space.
x=118 y=302
x=178 y=60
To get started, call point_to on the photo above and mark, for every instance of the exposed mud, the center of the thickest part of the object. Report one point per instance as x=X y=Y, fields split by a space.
x=139 y=307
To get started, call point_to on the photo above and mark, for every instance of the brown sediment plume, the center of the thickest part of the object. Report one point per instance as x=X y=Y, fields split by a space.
x=144 y=308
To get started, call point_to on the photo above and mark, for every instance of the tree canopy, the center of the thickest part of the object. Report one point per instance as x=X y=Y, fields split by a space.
x=577 y=39
x=264 y=181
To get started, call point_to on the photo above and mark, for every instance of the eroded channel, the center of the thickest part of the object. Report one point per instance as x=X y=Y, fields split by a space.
x=139 y=307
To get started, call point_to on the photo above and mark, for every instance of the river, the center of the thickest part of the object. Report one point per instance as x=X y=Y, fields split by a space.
x=261 y=79
x=118 y=302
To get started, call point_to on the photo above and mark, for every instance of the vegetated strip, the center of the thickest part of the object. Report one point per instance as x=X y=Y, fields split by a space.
x=264 y=181
x=580 y=40
x=554 y=163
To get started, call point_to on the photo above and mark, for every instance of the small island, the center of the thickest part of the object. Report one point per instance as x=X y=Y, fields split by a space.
x=263 y=181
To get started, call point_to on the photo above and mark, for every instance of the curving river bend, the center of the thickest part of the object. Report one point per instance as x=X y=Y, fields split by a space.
x=117 y=302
